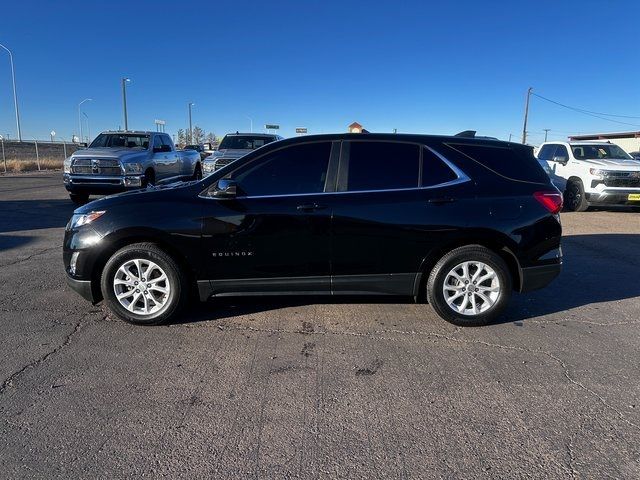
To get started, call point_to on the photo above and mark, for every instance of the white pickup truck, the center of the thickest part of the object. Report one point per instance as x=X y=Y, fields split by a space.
x=591 y=173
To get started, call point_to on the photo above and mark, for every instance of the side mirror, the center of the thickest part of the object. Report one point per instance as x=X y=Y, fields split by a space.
x=226 y=188
x=562 y=160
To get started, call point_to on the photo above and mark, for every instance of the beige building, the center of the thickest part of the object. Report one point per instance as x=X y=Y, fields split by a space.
x=628 y=141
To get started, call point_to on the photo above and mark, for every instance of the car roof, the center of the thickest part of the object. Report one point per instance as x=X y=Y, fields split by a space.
x=252 y=134
x=128 y=132
x=399 y=137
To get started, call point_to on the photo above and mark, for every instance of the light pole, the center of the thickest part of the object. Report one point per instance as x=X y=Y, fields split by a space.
x=15 y=95
x=124 y=102
x=546 y=130
x=191 y=104
x=251 y=123
x=80 y=116
x=88 y=128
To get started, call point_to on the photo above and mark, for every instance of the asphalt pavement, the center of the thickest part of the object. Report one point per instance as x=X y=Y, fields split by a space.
x=318 y=388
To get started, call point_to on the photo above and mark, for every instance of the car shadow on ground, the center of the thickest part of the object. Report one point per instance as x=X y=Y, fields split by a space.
x=7 y=242
x=19 y=215
x=597 y=268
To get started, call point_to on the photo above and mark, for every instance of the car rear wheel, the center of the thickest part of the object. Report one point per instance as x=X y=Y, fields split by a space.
x=574 y=198
x=143 y=285
x=469 y=286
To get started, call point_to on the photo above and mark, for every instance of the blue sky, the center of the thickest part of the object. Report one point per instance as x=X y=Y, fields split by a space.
x=414 y=66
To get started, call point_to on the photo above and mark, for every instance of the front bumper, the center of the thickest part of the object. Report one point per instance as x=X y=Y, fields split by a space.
x=611 y=196
x=83 y=287
x=101 y=184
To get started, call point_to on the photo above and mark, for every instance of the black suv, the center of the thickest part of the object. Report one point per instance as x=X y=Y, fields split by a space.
x=458 y=221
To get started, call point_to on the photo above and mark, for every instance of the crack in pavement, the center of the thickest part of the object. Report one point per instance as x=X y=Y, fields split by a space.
x=29 y=257
x=376 y=333
x=39 y=361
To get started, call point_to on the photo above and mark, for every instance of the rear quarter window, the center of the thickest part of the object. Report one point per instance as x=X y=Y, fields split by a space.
x=515 y=163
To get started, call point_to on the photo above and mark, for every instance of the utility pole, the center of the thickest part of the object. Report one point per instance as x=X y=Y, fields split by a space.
x=191 y=104
x=124 y=102
x=526 y=116
x=546 y=130
x=15 y=95
x=510 y=135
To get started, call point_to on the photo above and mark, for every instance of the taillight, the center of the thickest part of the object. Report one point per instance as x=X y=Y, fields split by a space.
x=552 y=201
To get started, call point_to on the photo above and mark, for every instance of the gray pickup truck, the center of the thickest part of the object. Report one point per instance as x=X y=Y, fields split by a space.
x=119 y=161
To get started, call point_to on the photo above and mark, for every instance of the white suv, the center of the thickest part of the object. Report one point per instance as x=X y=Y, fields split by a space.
x=591 y=173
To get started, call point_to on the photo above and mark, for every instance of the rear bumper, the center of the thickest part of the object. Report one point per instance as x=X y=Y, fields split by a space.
x=534 y=278
x=82 y=287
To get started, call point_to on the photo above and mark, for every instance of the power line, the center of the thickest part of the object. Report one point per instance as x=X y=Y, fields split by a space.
x=601 y=116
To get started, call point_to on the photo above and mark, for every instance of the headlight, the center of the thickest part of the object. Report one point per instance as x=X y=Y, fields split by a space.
x=81 y=219
x=67 y=165
x=597 y=172
x=132 y=168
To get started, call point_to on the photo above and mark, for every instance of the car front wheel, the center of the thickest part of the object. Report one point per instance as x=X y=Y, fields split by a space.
x=143 y=285
x=469 y=286
x=574 y=197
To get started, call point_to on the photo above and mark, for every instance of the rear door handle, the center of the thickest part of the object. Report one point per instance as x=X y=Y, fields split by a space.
x=310 y=207
x=441 y=200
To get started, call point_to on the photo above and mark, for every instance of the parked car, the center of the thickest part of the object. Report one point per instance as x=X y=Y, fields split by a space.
x=635 y=155
x=119 y=161
x=198 y=148
x=591 y=173
x=234 y=146
x=459 y=221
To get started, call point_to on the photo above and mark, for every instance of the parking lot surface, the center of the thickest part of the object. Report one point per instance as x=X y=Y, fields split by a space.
x=318 y=388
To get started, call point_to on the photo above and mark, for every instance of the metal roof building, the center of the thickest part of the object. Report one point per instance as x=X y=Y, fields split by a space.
x=629 y=141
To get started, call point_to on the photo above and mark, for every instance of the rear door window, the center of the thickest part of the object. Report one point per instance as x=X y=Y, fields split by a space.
x=434 y=170
x=546 y=152
x=382 y=166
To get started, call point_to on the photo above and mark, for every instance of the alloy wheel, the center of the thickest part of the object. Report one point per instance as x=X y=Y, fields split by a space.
x=471 y=288
x=141 y=286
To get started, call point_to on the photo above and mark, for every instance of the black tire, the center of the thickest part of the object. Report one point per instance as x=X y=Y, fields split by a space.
x=79 y=198
x=197 y=173
x=469 y=253
x=574 y=198
x=178 y=291
x=149 y=178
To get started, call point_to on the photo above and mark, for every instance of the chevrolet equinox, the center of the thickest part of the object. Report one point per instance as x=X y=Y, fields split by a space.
x=459 y=221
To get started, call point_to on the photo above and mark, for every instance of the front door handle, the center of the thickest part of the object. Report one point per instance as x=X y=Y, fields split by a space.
x=441 y=200
x=310 y=207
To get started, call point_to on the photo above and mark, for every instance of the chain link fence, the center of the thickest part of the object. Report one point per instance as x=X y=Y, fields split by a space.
x=34 y=155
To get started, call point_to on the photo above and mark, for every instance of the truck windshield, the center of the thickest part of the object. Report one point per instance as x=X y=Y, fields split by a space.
x=605 y=151
x=120 y=140
x=244 y=142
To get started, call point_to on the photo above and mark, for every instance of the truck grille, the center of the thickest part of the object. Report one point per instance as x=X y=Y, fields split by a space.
x=221 y=162
x=622 y=179
x=93 y=166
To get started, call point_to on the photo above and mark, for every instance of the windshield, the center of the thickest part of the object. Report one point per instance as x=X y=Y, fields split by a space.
x=605 y=151
x=120 y=140
x=244 y=142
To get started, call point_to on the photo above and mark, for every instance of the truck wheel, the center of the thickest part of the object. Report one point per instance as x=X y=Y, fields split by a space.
x=197 y=173
x=574 y=198
x=143 y=285
x=149 y=178
x=469 y=286
x=79 y=198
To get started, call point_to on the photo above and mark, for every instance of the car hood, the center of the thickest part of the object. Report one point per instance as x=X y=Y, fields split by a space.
x=107 y=152
x=626 y=164
x=149 y=194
